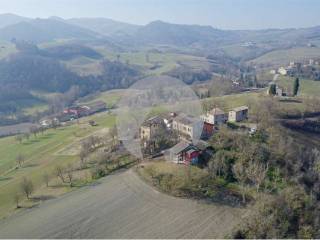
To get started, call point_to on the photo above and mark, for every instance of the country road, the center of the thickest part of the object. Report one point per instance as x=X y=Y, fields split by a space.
x=121 y=206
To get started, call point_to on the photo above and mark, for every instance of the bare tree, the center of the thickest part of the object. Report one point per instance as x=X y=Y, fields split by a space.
x=239 y=171
x=218 y=163
x=70 y=174
x=27 y=136
x=256 y=173
x=34 y=130
x=17 y=198
x=20 y=159
x=27 y=187
x=59 y=170
x=114 y=139
x=84 y=152
x=46 y=179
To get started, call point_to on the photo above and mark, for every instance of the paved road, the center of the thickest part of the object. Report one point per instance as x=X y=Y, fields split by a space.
x=121 y=206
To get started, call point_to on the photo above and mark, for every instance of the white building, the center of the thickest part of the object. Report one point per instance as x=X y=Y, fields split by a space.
x=282 y=71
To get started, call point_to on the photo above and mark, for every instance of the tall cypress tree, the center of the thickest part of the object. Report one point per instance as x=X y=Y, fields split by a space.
x=296 y=86
x=272 y=89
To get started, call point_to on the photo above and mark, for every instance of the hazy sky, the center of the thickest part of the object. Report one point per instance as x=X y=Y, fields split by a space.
x=227 y=14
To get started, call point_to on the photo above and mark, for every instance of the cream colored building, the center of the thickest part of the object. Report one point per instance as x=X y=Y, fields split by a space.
x=216 y=116
x=282 y=71
x=238 y=114
x=150 y=127
x=188 y=127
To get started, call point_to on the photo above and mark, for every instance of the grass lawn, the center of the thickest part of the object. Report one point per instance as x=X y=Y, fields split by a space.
x=156 y=63
x=307 y=87
x=228 y=102
x=277 y=57
x=111 y=98
x=40 y=154
x=41 y=107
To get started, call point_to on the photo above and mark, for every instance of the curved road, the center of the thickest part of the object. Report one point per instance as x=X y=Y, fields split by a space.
x=121 y=206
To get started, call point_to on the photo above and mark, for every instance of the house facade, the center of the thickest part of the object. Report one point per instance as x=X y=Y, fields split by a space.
x=216 y=116
x=188 y=127
x=150 y=127
x=184 y=153
x=238 y=114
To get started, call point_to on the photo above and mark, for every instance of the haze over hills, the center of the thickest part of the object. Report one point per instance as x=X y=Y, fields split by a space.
x=42 y=30
x=9 y=19
x=157 y=32
x=105 y=26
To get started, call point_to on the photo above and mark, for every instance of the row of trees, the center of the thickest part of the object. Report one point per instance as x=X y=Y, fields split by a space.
x=66 y=173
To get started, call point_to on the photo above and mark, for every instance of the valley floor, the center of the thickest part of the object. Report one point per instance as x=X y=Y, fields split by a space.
x=122 y=206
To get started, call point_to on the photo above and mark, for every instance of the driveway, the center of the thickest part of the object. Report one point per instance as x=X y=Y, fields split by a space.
x=121 y=206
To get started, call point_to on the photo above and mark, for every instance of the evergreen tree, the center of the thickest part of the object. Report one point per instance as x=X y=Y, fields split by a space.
x=272 y=89
x=296 y=86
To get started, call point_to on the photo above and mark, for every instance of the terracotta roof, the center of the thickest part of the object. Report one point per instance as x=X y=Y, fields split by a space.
x=238 y=109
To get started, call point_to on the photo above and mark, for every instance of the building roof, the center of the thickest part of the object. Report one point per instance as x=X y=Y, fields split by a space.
x=178 y=148
x=168 y=115
x=152 y=120
x=239 y=109
x=190 y=151
x=186 y=120
x=216 y=111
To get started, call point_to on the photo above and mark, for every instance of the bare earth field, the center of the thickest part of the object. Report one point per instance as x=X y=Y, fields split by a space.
x=121 y=206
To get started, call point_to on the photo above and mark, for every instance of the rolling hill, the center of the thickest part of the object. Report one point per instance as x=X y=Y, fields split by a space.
x=105 y=26
x=8 y=19
x=44 y=30
x=159 y=32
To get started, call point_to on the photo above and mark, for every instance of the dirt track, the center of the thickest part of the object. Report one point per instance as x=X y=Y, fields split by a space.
x=121 y=206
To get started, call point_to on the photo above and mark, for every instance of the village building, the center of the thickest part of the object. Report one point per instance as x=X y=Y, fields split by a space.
x=79 y=111
x=168 y=118
x=150 y=127
x=273 y=71
x=279 y=90
x=49 y=122
x=188 y=127
x=216 y=116
x=238 y=114
x=282 y=71
x=184 y=153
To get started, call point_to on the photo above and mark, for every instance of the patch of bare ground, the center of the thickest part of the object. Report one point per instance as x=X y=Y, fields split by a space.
x=122 y=206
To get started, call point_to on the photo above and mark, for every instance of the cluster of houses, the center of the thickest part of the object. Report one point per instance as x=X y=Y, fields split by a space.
x=294 y=68
x=74 y=112
x=192 y=131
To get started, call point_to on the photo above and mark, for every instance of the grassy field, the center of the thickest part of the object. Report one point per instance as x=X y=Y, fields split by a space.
x=156 y=63
x=41 y=156
x=307 y=87
x=285 y=56
x=111 y=98
x=6 y=49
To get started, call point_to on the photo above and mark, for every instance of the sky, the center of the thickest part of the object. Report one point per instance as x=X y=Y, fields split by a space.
x=224 y=14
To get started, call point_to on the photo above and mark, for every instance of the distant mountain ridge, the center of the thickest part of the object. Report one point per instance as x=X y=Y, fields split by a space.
x=8 y=19
x=154 y=33
x=105 y=26
x=42 y=30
